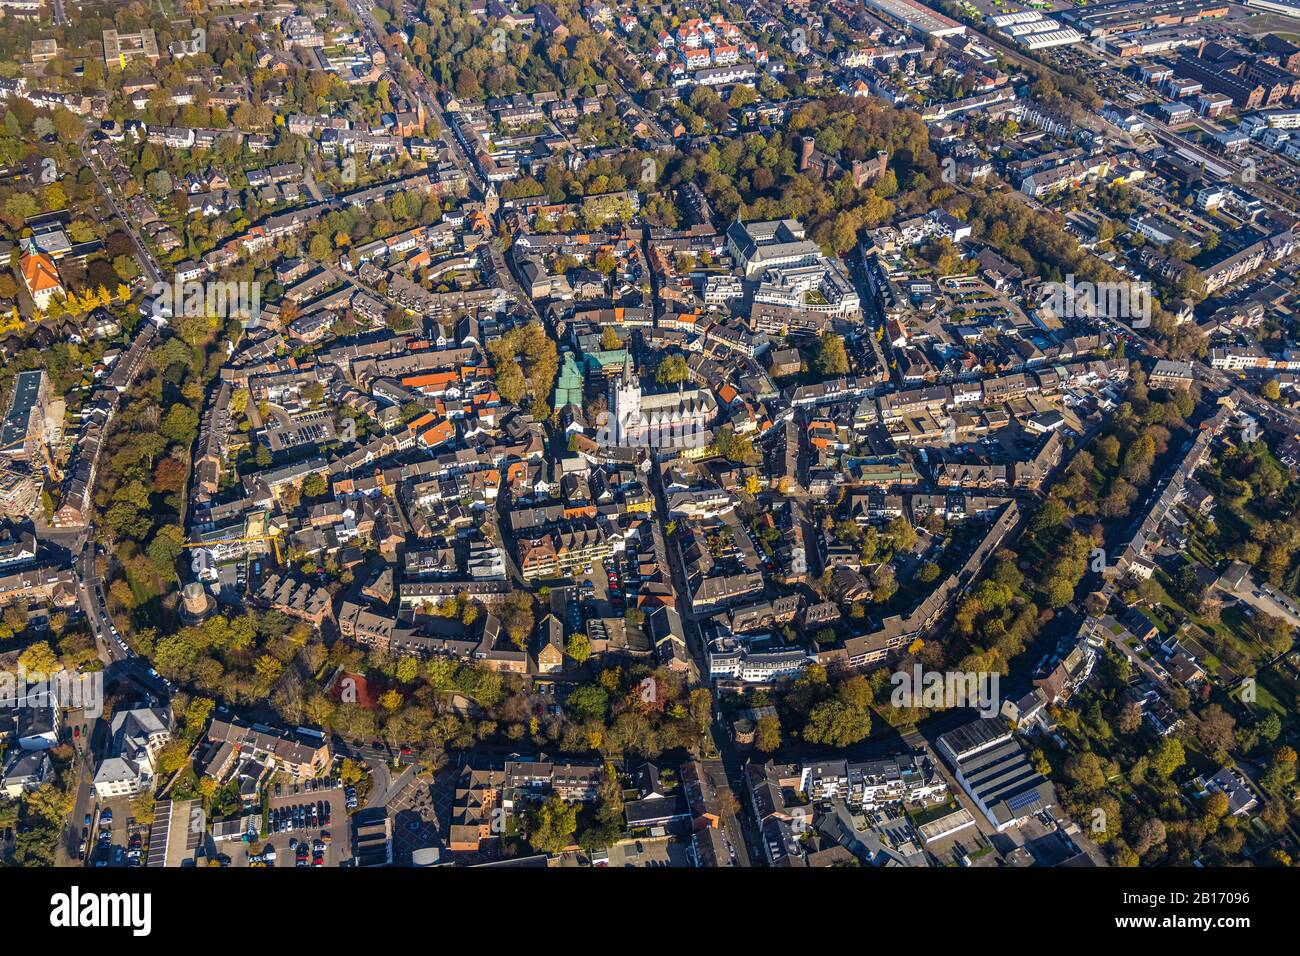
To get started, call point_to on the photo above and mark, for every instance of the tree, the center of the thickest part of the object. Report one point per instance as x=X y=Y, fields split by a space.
x=1084 y=769
x=20 y=207
x=767 y=735
x=1274 y=632
x=901 y=534
x=701 y=708
x=180 y=424
x=837 y=723
x=884 y=584
x=1271 y=390
x=170 y=475
x=314 y=485
x=578 y=647
x=671 y=370
x=1130 y=718
x=142 y=808
x=39 y=659
x=831 y=357
x=1150 y=834
x=587 y=702
x=1215 y=729
x=126 y=268
x=732 y=446
x=1168 y=757
x=551 y=826
x=1215 y=804
x=407 y=669
x=320 y=247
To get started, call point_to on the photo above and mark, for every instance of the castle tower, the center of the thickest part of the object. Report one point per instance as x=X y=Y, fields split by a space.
x=807 y=145
x=867 y=171
x=196 y=603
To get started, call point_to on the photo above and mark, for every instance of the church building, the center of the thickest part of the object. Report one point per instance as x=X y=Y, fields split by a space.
x=671 y=420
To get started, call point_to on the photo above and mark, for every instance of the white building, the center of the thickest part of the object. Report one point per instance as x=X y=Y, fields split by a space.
x=138 y=735
x=671 y=419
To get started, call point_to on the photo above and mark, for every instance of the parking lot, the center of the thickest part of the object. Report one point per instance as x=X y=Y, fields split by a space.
x=649 y=853
x=124 y=835
x=601 y=590
x=292 y=830
x=1264 y=598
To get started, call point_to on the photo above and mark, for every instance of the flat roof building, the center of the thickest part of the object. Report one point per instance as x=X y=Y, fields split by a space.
x=921 y=20
x=23 y=423
x=121 y=48
x=995 y=773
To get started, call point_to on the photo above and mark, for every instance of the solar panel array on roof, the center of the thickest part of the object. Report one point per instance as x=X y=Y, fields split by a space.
x=159 y=833
x=1022 y=801
x=195 y=830
x=996 y=772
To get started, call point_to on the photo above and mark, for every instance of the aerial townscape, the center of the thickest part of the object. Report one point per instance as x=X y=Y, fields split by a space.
x=683 y=434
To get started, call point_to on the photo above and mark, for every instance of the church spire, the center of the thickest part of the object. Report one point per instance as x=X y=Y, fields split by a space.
x=627 y=367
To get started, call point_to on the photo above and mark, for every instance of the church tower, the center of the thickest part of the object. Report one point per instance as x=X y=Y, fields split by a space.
x=625 y=402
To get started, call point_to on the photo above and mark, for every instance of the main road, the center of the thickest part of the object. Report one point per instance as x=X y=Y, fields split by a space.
x=409 y=77
x=147 y=262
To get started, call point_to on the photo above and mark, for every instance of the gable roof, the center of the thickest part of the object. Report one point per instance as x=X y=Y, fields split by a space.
x=39 y=272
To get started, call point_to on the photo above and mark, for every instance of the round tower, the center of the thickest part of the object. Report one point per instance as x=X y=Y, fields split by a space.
x=196 y=603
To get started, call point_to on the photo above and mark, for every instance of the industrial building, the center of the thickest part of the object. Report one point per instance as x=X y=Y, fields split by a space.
x=921 y=20
x=1033 y=31
x=1125 y=16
